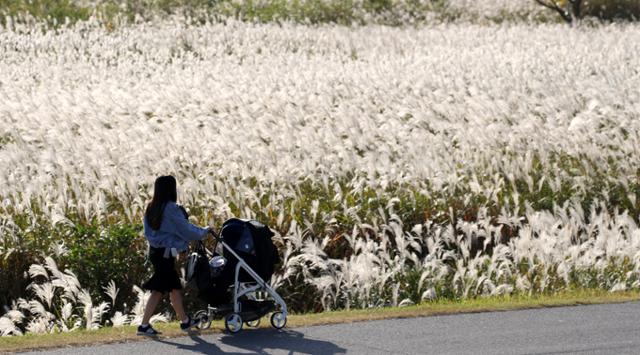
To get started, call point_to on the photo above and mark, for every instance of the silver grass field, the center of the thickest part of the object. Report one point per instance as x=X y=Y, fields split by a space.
x=397 y=165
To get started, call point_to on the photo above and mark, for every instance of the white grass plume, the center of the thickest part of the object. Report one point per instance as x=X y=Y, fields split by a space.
x=111 y=291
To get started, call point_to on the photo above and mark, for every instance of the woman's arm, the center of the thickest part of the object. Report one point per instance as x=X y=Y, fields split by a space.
x=184 y=229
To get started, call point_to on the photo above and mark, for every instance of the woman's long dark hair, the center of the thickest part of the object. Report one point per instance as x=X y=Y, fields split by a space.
x=164 y=190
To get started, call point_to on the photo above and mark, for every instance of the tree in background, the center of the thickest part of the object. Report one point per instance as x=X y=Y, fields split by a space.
x=569 y=10
x=574 y=10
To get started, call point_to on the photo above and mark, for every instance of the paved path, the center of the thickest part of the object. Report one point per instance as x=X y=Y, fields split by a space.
x=601 y=329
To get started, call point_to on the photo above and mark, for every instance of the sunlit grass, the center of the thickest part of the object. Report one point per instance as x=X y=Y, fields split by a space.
x=395 y=165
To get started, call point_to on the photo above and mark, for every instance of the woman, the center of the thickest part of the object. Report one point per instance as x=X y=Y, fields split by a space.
x=168 y=232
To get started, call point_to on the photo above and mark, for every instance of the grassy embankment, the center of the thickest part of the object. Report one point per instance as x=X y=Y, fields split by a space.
x=112 y=12
x=346 y=12
x=445 y=307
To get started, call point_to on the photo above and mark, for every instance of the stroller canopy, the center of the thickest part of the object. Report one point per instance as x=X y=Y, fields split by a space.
x=251 y=240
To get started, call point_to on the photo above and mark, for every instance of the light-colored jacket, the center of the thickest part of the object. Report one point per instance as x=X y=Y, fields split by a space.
x=175 y=230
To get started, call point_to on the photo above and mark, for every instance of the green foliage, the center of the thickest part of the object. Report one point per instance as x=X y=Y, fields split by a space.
x=13 y=280
x=601 y=9
x=99 y=255
x=410 y=287
x=53 y=12
x=100 y=251
x=378 y=6
x=305 y=11
x=5 y=139
x=613 y=9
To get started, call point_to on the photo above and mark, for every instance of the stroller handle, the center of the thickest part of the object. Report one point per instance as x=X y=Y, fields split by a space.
x=215 y=235
x=199 y=244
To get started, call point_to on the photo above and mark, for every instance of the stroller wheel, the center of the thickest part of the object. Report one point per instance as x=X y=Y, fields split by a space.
x=204 y=321
x=233 y=323
x=278 y=320
x=253 y=323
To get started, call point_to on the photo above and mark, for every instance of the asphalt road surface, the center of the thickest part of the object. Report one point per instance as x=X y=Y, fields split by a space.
x=600 y=329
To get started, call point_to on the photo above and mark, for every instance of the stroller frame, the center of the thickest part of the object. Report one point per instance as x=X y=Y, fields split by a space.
x=233 y=320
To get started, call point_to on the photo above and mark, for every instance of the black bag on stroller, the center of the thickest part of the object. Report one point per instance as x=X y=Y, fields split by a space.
x=211 y=289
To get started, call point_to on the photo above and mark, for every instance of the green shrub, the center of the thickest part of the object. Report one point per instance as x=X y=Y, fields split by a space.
x=99 y=255
x=53 y=12
x=613 y=9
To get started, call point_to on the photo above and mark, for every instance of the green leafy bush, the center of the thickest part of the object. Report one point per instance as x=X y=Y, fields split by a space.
x=99 y=254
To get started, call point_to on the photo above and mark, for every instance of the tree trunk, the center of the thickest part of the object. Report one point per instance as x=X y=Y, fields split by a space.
x=566 y=15
x=576 y=7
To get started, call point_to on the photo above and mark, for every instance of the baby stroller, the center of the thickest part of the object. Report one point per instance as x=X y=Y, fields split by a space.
x=233 y=284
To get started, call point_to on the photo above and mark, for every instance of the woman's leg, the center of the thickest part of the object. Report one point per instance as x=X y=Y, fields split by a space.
x=152 y=303
x=176 y=302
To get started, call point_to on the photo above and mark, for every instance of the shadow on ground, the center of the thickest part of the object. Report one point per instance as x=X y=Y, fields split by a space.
x=258 y=342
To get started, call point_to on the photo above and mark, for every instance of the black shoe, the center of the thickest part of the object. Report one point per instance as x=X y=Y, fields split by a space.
x=188 y=324
x=147 y=331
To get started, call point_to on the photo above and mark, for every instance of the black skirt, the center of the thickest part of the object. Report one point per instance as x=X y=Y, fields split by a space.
x=165 y=277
